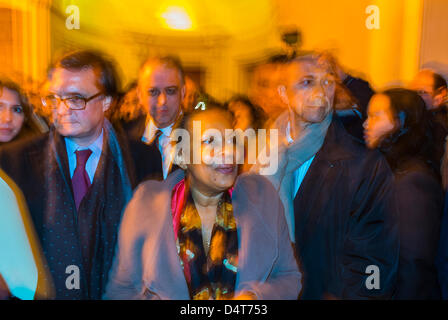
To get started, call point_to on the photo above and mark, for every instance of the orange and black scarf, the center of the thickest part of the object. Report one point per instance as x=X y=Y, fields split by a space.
x=209 y=276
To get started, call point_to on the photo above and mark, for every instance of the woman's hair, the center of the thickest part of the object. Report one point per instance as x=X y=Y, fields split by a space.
x=28 y=126
x=411 y=136
x=203 y=106
x=258 y=115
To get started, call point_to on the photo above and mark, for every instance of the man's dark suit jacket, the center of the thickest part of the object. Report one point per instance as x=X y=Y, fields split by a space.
x=147 y=157
x=26 y=163
x=345 y=221
x=134 y=131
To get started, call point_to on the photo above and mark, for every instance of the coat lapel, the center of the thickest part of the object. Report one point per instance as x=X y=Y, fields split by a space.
x=327 y=161
x=163 y=273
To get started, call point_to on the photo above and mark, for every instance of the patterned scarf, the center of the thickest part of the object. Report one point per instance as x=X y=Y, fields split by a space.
x=209 y=276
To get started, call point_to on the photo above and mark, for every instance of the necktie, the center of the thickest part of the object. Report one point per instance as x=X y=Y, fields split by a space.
x=156 y=138
x=80 y=179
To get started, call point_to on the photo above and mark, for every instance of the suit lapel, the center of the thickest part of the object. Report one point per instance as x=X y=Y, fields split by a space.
x=326 y=162
x=309 y=193
x=61 y=158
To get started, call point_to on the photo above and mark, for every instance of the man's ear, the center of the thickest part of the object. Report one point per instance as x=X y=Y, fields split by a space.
x=440 y=97
x=107 y=102
x=282 y=93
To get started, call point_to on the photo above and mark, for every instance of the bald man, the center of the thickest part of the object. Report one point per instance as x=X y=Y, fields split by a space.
x=160 y=90
x=432 y=87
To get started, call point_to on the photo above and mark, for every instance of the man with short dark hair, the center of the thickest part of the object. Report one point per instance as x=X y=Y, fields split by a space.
x=77 y=178
x=337 y=195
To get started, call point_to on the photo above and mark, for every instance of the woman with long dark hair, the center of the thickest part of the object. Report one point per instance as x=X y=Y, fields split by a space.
x=398 y=127
x=15 y=113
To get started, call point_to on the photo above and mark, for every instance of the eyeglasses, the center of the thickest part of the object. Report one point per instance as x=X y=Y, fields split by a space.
x=73 y=102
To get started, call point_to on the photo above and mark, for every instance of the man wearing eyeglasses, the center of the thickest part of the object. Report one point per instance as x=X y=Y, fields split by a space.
x=78 y=178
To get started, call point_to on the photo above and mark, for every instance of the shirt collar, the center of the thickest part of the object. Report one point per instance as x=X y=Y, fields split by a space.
x=96 y=146
x=151 y=129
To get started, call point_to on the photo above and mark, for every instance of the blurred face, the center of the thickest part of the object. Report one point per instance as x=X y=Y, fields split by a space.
x=11 y=114
x=161 y=92
x=310 y=90
x=264 y=89
x=380 y=121
x=242 y=114
x=213 y=178
x=191 y=94
x=83 y=126
x=423 y=83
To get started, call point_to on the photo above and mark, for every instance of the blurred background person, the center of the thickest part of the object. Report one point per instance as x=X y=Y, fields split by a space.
x=192 y=93
x=397 y=125
x=205 y=235
x=432 y=87
x=359 y=88
x=129 y=108
x=16 y=120
x=353 y=96
x=246 y=114
x=263 y=87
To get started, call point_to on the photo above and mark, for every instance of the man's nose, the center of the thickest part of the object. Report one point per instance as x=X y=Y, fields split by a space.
x=229 y=153
x=161 y=100
x=61 y=108
x=318 y=91
x=365 y=124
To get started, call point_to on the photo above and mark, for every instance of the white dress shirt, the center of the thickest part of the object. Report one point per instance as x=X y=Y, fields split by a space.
x=165 y=147
x=92 y=163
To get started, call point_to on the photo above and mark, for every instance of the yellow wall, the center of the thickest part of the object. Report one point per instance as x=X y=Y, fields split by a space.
x=227 y=36
x=385 y=56
x=29 y=46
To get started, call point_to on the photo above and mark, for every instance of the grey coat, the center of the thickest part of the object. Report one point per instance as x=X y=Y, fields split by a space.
x=147 y=265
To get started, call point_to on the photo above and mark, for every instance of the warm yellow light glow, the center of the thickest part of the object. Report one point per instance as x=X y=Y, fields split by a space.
x=177 y=18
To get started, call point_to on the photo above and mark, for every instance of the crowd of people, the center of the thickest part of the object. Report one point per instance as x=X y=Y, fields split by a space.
x=354 y=210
